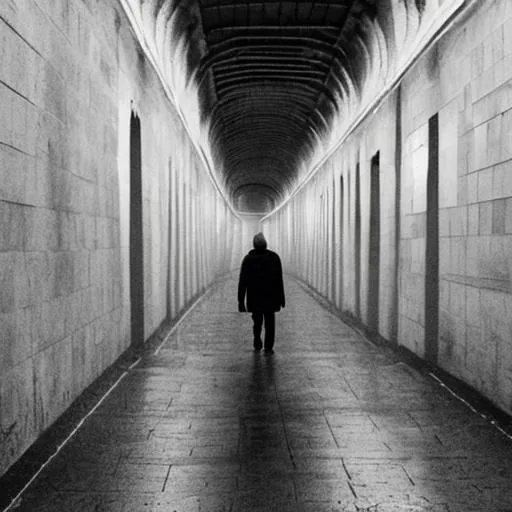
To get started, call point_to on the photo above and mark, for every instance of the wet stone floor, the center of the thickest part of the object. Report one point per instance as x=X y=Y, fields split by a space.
x=330 y=422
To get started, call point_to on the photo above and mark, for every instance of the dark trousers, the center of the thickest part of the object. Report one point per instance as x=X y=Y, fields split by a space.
x=270 y=328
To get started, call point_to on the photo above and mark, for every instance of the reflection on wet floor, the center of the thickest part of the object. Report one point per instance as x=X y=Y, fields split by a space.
x=328 y=423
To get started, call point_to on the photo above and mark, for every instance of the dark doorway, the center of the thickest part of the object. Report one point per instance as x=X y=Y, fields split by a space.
x=136 y=238
x=178 y=252
x=342 y=241
x=170 y=246
x=333 y=275
x=357 y=248
x=432 y=244
x=393 y=313
x=185 y=235
x=374 y=247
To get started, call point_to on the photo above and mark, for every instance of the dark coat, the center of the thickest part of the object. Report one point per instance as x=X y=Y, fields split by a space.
x=261 y=277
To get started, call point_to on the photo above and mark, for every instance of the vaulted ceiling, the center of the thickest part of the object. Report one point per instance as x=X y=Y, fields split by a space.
x=266 y=82
x=270 y=76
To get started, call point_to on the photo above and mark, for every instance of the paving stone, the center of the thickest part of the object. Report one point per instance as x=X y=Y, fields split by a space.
x=330 y=422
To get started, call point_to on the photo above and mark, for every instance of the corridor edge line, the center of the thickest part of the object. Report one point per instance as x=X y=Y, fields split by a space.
x=494 y=416
x=73 y=432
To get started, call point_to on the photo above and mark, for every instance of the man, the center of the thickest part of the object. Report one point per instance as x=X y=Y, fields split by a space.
x=261 y=278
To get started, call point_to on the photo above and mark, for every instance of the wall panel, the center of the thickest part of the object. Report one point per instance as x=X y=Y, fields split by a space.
x=65 y=206
x=462 y=80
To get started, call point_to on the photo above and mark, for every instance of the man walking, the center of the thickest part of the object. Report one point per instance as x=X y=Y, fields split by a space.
x=261 y=278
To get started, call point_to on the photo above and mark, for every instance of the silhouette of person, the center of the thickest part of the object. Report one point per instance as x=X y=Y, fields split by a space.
x=261 y=278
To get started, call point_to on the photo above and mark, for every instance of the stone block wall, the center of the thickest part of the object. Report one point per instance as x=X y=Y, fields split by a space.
x=325 y=235
x=71 y=75
x=464 y=80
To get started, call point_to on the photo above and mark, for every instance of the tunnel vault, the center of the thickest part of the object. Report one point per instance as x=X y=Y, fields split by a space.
x=269 y=85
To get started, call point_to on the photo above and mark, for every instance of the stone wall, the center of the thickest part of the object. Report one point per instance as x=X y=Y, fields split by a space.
x=465 y=78
x=71 y=76
x=454 y=102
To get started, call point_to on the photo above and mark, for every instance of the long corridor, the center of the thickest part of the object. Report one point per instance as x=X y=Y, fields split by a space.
x=330 y=422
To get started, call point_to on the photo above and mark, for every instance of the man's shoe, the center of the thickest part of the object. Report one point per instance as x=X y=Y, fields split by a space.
x=258 y=345
x=268 y=351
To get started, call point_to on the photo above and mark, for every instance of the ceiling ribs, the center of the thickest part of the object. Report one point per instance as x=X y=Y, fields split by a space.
x=270 y=76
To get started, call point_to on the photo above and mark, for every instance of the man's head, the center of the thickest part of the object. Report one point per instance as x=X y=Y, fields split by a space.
x=259 y=241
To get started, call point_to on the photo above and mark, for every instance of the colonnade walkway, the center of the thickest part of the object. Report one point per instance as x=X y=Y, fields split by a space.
x=330 y=422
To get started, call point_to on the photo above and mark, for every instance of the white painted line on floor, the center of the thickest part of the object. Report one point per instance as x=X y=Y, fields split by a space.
x=506 y=434
x=443 y=385
x=179 y=322
x=80 y=423
x=359 y=332
x=492 y=422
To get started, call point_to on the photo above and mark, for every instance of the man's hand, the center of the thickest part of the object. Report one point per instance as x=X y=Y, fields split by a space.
x=241 y=307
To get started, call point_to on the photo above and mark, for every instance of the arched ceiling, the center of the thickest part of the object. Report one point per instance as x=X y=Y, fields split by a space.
x=273 y=80
x=267 y=81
